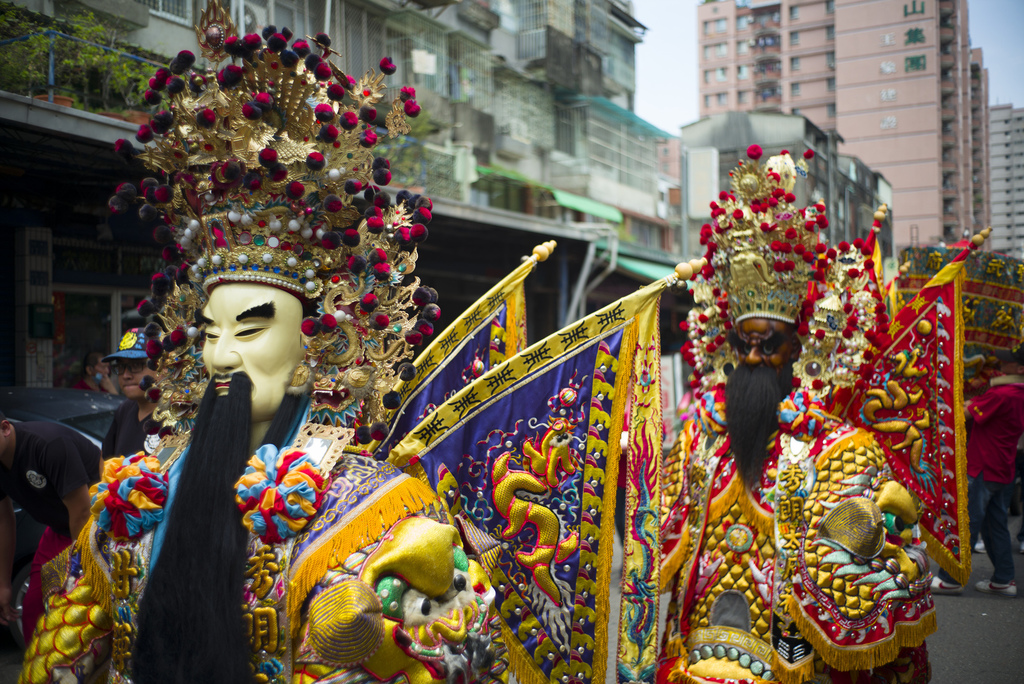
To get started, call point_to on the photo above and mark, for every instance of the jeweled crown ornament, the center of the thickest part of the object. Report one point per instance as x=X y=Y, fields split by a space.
x=260 y=164
x=767 y=259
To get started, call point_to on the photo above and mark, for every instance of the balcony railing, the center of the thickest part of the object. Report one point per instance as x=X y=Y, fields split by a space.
x=766 y=52
x=766 y=27
x=948 y=113
x=770 y=103
x=948 y=86
x=948 y=140
x=945 y=8
x=946 y=35
x=947 y=61
x=767 y=77
x=949 y=192
x=948 y=167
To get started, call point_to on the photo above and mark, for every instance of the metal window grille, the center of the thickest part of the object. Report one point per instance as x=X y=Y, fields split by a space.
x=470 y=73
x=534 y=18
x=621 y=154
x=177 y=9
x=524 y=111
x=363 y=39
x=419 y=47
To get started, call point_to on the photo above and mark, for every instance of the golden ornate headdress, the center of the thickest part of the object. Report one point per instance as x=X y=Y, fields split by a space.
x=766 y=259
x=261 y=163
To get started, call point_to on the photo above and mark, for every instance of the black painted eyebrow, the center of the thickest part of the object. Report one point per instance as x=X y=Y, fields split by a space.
x=775 y=340
x=203 y=320
x=262 y=311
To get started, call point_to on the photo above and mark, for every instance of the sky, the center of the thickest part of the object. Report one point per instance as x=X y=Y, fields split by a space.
x=666 y=62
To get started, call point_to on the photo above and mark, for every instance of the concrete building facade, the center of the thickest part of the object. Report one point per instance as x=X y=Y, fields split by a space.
x=899 y=81
x=1006 y=149
x=527 y=134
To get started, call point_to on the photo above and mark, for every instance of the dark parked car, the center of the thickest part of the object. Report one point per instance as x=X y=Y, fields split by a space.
x=91 y=414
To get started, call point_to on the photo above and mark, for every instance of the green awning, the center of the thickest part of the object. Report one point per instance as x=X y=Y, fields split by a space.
x=587 y=206
x=509 y=174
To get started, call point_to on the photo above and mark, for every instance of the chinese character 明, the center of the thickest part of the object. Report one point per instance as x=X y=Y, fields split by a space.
x=888 y=122
x=887 y=67
x=915 y=35
x=888 y=95
x=913 y=8
x=888 y=39
x=261 y=625
x=916 y=63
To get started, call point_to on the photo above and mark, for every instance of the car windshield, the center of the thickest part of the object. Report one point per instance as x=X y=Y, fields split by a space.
x=93 y=424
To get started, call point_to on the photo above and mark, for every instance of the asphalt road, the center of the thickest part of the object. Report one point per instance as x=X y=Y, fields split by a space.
x=980 y=639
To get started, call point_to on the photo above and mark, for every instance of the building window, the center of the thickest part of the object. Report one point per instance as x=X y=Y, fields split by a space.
x=830 y=111
x=794 y=13
x=830 y=83
x=796 y=110
x=830 y=6
x=720 y=26
x=723 y=99
x=742 y=47
x=707 y=28
x=707 y=76
x=707 y=52
x=794 y=89
x=722 y=50
x=743 y=97
x=742 y=22
x=830 y=32
x=720 y=75
x=177 y=9
x=794 y=37
x=794 y=64
x=830 y=60
x=742 y=72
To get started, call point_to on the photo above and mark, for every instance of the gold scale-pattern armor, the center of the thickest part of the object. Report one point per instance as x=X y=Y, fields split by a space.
x=735 y=574
x=69 y=632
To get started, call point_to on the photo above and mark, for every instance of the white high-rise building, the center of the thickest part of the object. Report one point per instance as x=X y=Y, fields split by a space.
x=1006 y=147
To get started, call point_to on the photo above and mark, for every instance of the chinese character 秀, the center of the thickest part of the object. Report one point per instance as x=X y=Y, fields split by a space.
x=888 y=122
x=888 y=95
x=887 y=67
x=915 y=35
x=888 y=39
x=915 y=63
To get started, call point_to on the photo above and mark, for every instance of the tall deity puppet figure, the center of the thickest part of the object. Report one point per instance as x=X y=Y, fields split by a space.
x=792 y=550
x=259 y=543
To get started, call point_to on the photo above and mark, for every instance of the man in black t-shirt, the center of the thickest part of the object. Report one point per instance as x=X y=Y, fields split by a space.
x=47 y=469
x=128 y=364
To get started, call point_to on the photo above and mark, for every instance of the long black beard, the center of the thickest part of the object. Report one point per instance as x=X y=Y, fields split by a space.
x=752 y=396
x=190 y=625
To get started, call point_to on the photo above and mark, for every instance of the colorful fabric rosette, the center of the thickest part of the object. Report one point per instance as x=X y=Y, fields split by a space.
x=130 y=498
x=803 y=416
x=279 y=493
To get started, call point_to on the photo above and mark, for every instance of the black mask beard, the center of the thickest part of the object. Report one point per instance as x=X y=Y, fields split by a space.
x=190 y=625
x=752 y=396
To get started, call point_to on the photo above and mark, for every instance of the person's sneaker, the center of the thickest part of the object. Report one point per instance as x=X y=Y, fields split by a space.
x=990 y=587
x=948 y=588
x=979 y=546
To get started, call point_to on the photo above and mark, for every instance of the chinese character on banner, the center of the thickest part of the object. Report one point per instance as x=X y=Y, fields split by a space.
x=887 y=67
x=915 y=63
x=888 y=122
x=888 y=95
x=913 y=8
x=888 y=39
x=914 y=35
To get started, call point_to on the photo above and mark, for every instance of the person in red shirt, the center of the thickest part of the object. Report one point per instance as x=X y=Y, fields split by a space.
x=998 y=421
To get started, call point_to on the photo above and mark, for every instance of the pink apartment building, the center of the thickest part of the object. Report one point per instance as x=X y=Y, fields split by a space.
x=896 y=79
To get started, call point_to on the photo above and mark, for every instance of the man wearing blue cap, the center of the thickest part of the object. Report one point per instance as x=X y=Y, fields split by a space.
x=127 y=434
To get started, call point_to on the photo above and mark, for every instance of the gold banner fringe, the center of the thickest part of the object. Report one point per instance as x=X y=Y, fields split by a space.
x=792 y=674
x=904 y=634
x=520 y=662
x=623 y=378
x=93 y=574
x=392 y=504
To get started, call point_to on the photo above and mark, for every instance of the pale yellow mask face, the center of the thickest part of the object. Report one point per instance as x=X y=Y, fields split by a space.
x=254 y=329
